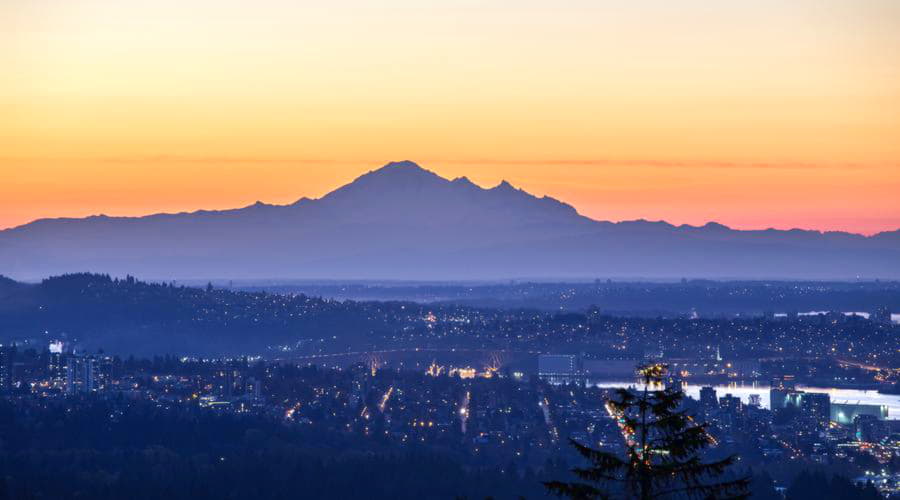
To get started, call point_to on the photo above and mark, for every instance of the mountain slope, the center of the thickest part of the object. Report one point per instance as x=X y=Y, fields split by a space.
x=404 y=222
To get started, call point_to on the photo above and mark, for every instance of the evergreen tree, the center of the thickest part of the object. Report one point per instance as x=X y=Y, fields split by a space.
x=817 y=486
x=762 y=487
x=663 y=452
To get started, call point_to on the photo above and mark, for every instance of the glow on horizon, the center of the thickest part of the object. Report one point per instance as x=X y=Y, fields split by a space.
x=770 y=114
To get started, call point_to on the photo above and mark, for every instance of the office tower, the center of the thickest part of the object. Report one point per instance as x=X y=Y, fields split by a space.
x=782 y=386
x=229 y=380
x=104 y=369
x=56 y=367
x=708 y=399
x=731 y=404
x=254 y=388
x=81 y=375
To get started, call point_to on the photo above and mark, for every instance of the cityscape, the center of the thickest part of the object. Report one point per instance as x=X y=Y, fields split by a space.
x=449 y=250
x=502 y=392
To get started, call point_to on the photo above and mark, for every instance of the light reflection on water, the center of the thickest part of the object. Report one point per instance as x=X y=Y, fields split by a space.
x=744 y=390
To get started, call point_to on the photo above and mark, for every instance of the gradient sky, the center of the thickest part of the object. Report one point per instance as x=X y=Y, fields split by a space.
x=755 y=114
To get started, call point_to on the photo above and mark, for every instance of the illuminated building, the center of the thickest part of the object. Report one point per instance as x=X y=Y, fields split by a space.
x=229 y=379
x=7 y=359
x=466 y=373
x=56 y=369
x=816 y=406
x=254 y=388
x=708 y=398
x=782 y=386
x=81 y=374
x=869 y=429
x=731 y=404
x=845 y=413
x=104 y=372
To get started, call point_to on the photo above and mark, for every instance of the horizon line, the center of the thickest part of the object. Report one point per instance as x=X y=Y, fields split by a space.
x=394 y=162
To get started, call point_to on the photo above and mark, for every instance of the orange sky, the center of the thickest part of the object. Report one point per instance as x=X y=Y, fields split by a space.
x=775 y=114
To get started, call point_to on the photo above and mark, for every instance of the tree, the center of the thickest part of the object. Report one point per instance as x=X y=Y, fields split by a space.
x=762 y=487
x=816 y=486
x=663 y=445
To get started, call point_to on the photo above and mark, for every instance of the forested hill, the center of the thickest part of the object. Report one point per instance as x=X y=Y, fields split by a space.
x=9 y=286
x=131 y=316
x=126 y=316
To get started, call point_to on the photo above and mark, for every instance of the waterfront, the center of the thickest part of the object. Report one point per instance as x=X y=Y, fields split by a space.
x=745 y=390
x=895 y=318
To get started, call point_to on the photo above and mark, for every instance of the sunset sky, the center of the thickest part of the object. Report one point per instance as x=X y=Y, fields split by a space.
x=768 y=113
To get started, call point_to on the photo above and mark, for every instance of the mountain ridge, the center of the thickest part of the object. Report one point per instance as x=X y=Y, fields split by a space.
x=403 y=221
x=463 y=180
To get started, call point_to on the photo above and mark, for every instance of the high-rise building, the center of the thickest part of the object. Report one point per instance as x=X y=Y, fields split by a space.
x=81 y=374
x=229 y=380
x=254 y=388
x=731 y=404
x=793 y=399
x=71 y=375
x=816 y=406
x=104 y=367
x=755 y=400
x=56 y=368
x=708 y=400
x=782 y=386
x=7 y=360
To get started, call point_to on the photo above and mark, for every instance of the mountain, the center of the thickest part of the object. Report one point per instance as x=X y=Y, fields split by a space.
x=404 y=222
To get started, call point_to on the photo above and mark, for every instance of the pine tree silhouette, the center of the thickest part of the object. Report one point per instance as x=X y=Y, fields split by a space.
x=663 y=452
